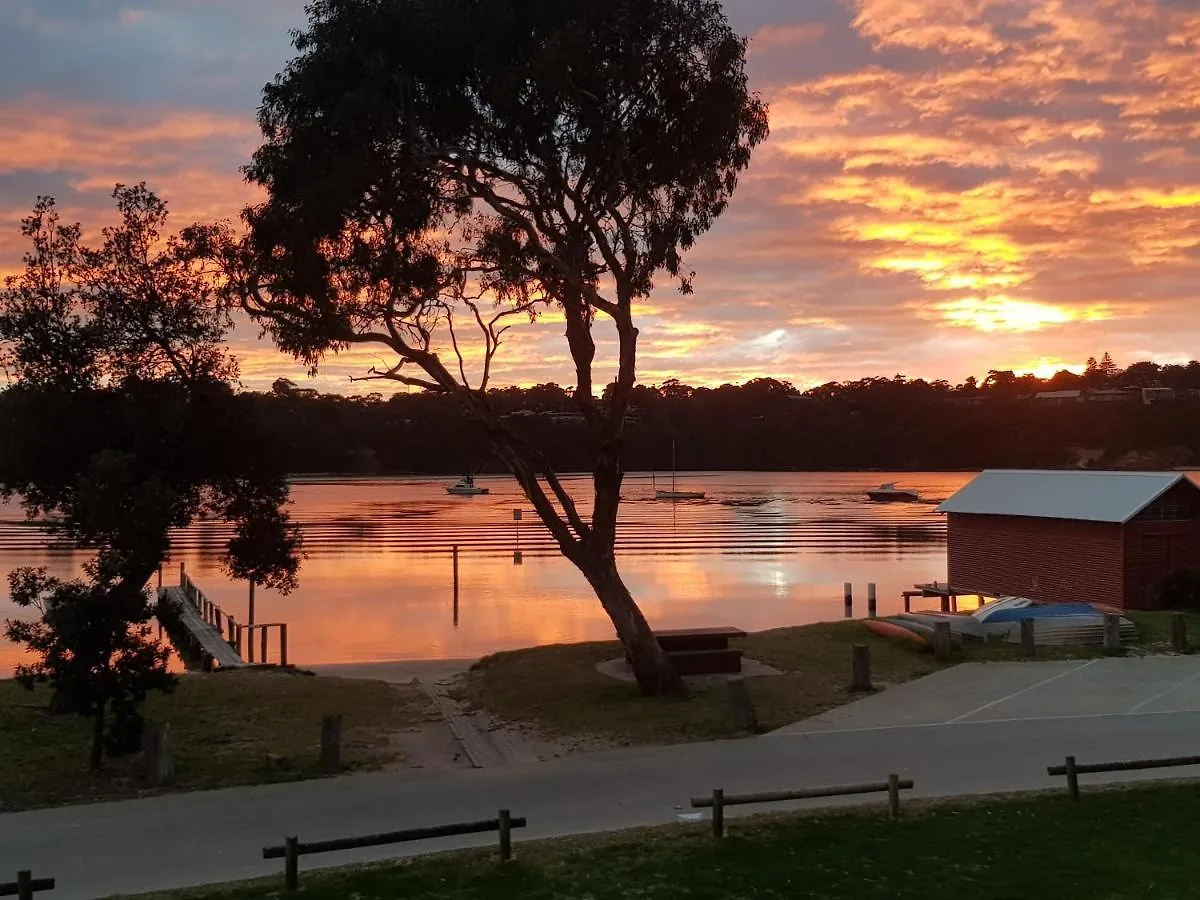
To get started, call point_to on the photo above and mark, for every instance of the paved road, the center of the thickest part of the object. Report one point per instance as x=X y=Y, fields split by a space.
x=191 y=839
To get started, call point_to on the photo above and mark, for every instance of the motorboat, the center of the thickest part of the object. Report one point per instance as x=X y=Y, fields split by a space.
x=466 y=487
x=889 y=493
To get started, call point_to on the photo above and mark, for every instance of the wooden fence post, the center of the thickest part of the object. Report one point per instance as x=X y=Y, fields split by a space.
x=1072 y=779
x=331 y=743
x=160 y=568
x=250 y=643
x=264 y=629
x=1179 y=635
x=718 y=812
x=871 y=600
x=744 y=716
x=291 y=863
x=860 y=668
x=848 y=598
x=505 y=820
x=894 y=796
x=1028 y=647
x=941 y=641
x=160 y=761
x=1112 y=633
x=25 y=885
x=182 y=576
x=283 y=644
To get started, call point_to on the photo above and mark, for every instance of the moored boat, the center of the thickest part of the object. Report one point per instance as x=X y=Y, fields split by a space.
x=466 y=487
x=889 y=493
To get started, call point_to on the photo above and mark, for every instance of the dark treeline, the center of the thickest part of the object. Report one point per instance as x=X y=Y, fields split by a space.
x=1101 y=418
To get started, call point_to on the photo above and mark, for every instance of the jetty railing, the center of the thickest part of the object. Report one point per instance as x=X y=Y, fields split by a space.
x=1073 y=769
x=719 y=800
x=291 y=850
x=238 y=635
x=25 y=886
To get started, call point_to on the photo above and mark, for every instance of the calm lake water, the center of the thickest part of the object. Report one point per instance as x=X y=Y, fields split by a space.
x=377 y=583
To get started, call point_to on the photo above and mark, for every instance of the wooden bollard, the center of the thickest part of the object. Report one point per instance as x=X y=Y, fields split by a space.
x=291 y=863
x=264 y=629
x=1112 y=633
x=232 y=639
x=1072 y=779
x=860 y=668
x=182 y=576
x=250 y=644
x=1028 y=647
x=25 y=885
x=718 y=812
x=871 y=600
x=1179 y=635
x=160 y=761
x=946 y=602
x=331 y=743
x=893 y=796
x=505 y=829
x=283 y=644
x=848 y=598
x=744 y=716
x=941 y=641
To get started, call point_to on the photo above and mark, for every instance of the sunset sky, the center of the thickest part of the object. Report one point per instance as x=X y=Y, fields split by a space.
x=950 y=186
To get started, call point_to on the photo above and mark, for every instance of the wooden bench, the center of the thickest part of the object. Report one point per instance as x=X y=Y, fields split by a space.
x=701 y=651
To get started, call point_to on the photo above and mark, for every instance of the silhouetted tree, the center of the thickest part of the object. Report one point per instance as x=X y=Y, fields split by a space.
x=435 y=169
x=121 y=425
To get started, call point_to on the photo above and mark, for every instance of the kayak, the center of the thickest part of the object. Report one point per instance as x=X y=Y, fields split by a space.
x=896 y=633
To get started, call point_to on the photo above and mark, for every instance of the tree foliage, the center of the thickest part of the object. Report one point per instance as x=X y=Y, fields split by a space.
x=437 y=170
x=121 y=424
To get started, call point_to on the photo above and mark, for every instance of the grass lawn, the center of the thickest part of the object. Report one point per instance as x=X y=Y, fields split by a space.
x=558 y=689
x=222 y=728
x=1133 y=844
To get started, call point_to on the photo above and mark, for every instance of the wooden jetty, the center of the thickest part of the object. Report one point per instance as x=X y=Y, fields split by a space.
x=948 y=595
x=213 y=635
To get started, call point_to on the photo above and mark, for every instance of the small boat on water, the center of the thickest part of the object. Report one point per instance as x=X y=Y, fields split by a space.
x=889 y=493
x=673 y=494
x=466 y=487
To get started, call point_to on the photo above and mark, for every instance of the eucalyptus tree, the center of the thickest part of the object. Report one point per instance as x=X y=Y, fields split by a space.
x=438 y=171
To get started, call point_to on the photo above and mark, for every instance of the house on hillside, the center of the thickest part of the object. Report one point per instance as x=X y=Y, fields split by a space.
x=1070 y=536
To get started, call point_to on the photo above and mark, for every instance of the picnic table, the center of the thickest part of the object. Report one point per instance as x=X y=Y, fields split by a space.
x=702 y=651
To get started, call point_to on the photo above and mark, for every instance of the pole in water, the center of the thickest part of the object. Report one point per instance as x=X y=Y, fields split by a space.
x=456 y=585
x=871 y=600
x=848 y=597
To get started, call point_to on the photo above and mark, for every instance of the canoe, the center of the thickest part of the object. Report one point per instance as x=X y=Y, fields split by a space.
x=896 y=632
x=923 y=630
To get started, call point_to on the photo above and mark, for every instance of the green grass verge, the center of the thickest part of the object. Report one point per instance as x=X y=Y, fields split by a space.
x=558 y=689
x=222 y=728
x=1132 y=844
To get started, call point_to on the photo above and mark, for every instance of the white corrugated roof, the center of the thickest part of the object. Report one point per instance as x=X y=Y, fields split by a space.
x=1086 y=496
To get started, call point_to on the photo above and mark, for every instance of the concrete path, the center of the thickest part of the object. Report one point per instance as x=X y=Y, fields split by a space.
x=192 y=839
x=997 y=692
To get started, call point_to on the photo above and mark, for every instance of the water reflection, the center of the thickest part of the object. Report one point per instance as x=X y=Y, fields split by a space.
x=378 y=585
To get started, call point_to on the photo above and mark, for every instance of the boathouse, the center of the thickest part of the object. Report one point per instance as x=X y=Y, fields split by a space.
x=1068 y=536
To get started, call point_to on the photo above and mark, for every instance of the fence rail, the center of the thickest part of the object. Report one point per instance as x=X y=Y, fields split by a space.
x=25 y=886
x=1073 y=770
x=719 y=800
x=291 y=850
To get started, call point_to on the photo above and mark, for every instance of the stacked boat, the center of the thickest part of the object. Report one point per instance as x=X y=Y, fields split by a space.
x=1054 y=624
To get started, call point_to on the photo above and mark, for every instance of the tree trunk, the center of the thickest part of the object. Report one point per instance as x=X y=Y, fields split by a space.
x=654 y=673
x=98 y=736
